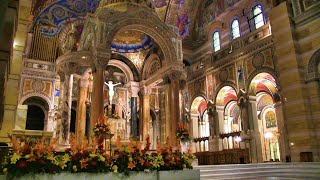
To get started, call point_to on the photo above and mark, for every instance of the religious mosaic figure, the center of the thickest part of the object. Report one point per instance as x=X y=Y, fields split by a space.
x=71 y=39
x=183 y=23
x=111 y=89
x=160 y=3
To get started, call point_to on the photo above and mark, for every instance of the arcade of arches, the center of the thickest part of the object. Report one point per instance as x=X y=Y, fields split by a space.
x=243 y=74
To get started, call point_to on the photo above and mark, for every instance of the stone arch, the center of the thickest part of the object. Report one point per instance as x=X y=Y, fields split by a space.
x=256 y=72
x=40 y=103
x=45 y=98
x=313 y=73
x=228 y=83
x=121 y=65
x=196 y=96
x=148 y=64
x=128 y=63
x=142 y=20
x=215 y=26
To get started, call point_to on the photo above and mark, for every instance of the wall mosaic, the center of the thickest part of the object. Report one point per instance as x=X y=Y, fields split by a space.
x=54 y=16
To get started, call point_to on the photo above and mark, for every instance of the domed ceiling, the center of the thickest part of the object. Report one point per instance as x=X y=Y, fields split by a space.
x=53 y=14
x=52 y=17
x=131 y=41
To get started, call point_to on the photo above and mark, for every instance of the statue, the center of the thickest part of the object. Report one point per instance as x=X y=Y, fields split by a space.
x=111 y=91
x=71 y=39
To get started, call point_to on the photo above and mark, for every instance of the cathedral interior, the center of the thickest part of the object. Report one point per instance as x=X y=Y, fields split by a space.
x=243 y=74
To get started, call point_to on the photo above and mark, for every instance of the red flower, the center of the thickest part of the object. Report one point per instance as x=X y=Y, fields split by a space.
x=147 y=164
x=167 y=164
x=93 y=163
x=123 y=153
x=22 y=164
x=41 y=161
x=85 y=152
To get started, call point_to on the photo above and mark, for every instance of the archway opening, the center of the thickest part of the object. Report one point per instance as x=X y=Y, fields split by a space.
x=37 y=113
x=200 y=124
x=263 y=86
x=35 y=118
x=228 y=117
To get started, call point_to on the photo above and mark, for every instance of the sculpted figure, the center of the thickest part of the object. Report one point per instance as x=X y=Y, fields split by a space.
x=71 y=39
x=111 y=89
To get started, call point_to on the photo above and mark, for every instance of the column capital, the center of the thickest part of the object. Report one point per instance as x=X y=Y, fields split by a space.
x=101 y=58
x=252 y=98
x=83 y=83
x=134 y=88
x=219 y=108
x=145 y=90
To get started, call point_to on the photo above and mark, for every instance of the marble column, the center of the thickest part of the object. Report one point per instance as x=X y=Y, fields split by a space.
x=194 y=131
x=66 y=108
x=97 y=103
x=134 y=124
x=81 y=110
x=283 y=134
x=175 y=110
x=255 y=143
x=146 y=92
x=214 y=135
x=220 y=125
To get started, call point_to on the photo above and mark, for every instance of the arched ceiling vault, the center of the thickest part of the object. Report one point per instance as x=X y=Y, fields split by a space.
x=225 y=95
x=52 y=15
x=263 y=82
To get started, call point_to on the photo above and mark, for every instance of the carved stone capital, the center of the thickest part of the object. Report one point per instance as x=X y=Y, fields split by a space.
x=145 y=90
x=133 y=88
x=101 y=59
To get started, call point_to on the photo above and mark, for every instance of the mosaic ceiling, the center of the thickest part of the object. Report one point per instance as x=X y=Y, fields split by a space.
x=130 y=42
x=54 y=16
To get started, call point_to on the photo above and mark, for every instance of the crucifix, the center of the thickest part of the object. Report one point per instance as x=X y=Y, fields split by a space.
x=111 y=90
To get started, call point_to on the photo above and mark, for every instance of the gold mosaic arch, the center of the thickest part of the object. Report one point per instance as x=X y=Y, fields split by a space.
x=138 y=19
x=221 y=86
x=250 y=86
x=195 y=103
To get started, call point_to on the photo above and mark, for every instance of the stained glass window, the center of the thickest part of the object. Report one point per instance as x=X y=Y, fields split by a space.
x=216 y=41
x=258 y=16
x=235 y=29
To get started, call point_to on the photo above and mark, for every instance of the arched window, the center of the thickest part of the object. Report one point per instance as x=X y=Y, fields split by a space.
x=235 y=29
x=258 y=16
x=216 y=41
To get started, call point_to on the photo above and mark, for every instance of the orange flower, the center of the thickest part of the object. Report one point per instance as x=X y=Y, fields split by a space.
x=83 y=163
x=131 y=165
x=131 y=144
x=31 y=159
x=142 y=162
x=119 y=143
x=115 y=157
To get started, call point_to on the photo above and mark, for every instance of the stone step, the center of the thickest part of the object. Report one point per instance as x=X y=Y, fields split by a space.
x=261 y=171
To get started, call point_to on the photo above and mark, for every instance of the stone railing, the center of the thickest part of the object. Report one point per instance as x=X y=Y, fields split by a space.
x=227 y=156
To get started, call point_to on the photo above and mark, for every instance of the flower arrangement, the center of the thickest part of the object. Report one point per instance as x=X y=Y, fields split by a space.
x=43 y=158
x=183 y=132
x=102 y=127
